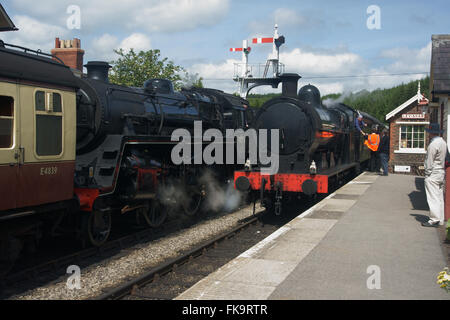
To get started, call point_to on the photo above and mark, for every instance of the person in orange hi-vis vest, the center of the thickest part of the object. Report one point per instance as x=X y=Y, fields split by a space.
x=372 y=142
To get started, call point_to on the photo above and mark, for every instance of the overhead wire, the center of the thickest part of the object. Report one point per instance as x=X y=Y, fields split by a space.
x=339 y=76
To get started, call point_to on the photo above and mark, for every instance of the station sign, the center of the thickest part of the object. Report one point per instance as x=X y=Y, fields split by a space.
x=402 y=169
x=413 y=116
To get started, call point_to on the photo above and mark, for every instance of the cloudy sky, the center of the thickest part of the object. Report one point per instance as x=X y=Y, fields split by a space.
x=325 y=39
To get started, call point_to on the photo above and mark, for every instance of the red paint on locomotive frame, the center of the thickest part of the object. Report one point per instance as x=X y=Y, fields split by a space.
x=142 y=173
x=86 y=197
x=291 y=182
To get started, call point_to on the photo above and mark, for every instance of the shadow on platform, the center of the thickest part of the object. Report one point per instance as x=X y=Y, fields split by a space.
x=418 y=200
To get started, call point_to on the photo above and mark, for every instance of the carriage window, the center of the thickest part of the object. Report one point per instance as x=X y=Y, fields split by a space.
x=6 y=122
x=49 y=124
x=57 y=102
x=40 y=101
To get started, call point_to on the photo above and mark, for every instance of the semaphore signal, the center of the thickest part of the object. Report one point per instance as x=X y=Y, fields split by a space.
x=244 y=74
x=262 y=40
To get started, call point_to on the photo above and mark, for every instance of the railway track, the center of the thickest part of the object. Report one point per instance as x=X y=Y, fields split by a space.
x=51 y=269
x=170 y=278
x=173 y=277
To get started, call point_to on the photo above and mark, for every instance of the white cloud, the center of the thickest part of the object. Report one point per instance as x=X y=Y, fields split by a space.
x=180 y=15
x=288 y=17
x=414 y=60
x=102 y=48
x=311 y=63
x=285 y=18
x=147 y=15
x=136 y=41
x=324 y=67
x=33 y=33
x=215 y=71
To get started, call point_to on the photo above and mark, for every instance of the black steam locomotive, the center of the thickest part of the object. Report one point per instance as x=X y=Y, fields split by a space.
x=318 y=145
x=124 y=143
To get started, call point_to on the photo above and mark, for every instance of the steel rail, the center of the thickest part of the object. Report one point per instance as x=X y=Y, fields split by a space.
x=128 y=287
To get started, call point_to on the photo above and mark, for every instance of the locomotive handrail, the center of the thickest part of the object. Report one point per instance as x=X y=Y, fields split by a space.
x=26 y=50
x=144 y=94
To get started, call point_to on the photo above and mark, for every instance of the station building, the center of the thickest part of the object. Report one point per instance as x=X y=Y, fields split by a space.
x=408 y=139
x=440 y=82
x=407 y=122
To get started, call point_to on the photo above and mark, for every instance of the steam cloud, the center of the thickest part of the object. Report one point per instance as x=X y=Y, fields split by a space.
x=218 y=196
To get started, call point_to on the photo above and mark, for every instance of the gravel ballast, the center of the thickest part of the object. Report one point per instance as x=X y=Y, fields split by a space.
x=114 y=271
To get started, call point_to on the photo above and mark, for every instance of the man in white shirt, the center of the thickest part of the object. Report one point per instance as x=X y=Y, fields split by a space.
x=435 y=176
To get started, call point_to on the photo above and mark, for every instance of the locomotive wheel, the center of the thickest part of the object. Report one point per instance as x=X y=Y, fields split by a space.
x=10 y=248
x=193 y=204
x=155 y=215
x=97 y=227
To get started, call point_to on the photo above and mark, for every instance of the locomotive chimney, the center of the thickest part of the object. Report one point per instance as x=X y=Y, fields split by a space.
x=98 y=70
x=70 y=52
x=290 y=81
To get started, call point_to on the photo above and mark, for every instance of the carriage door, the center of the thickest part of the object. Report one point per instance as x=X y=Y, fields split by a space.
x=9 y=145
x=42 y=141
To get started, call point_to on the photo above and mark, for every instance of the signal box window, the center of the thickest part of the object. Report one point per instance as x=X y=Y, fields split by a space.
x=49 y=130
x=412 y=137
x=6 y=122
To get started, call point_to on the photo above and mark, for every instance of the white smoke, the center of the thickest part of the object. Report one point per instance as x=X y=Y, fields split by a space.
x=331 y=102
x=219 y=196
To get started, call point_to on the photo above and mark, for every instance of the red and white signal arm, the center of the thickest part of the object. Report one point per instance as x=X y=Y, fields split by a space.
x=246 y=50
x=262 y=40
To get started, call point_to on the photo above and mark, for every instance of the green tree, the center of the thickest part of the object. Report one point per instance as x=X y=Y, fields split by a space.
x=133 y=69
x=192 y=80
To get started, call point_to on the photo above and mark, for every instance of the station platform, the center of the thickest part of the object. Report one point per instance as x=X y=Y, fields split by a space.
x=364 y=241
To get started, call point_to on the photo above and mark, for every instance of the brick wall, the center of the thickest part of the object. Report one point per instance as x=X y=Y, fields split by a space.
x=70 y=52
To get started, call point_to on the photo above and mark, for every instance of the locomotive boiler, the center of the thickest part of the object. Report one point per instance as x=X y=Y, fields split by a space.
x=318 y=144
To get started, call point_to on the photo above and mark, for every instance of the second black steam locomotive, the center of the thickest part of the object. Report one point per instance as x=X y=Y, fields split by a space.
x=318 y=144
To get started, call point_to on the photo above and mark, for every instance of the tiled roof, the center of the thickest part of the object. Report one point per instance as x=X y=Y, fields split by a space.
x=440 y=63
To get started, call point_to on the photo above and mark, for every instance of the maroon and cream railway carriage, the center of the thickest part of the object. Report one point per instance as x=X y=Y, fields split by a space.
x=37 y=131
x=37 y=145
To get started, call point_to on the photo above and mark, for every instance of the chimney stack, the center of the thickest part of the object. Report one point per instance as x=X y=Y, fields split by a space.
x=70 y=52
